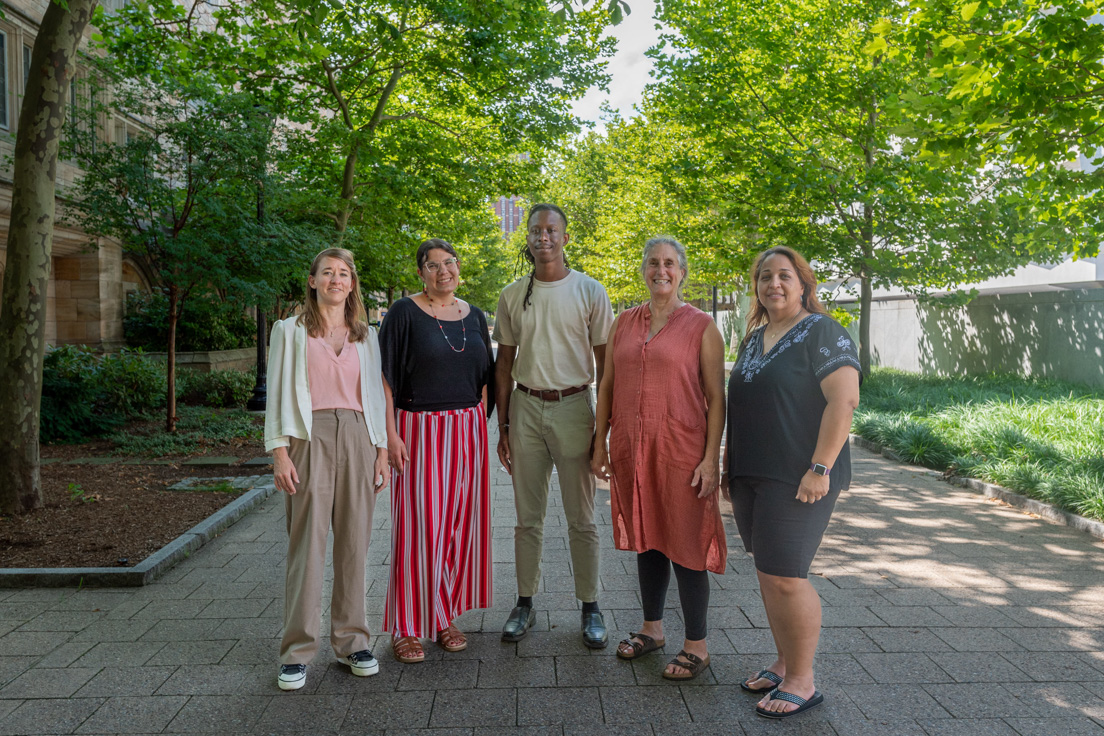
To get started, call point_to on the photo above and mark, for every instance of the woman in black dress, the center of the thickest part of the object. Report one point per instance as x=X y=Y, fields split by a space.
x=439 y=368
x=790 y=400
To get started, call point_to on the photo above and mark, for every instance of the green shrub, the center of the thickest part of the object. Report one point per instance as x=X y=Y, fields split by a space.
x=131 y=383
x=208 y=323
x=69 y=411
x=217 y=388
x=85 y=394
x=197 y=429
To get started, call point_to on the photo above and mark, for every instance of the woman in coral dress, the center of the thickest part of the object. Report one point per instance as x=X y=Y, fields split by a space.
x=662 y=402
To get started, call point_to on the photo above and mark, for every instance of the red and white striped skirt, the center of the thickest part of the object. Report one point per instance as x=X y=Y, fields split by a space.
x=440 y=522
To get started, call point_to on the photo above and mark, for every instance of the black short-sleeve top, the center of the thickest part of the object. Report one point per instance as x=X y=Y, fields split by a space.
x=436 y=365
x=775 y=403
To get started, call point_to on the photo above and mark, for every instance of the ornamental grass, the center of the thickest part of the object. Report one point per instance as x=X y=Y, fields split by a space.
x=1040 y=438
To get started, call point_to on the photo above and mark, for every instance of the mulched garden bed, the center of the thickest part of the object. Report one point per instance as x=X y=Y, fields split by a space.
x=115 y=515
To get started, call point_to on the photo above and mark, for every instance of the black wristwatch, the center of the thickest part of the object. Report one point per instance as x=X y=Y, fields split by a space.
x=820 y=469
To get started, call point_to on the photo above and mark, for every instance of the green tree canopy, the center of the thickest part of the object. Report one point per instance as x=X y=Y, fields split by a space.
x=1020 y=77
x=637 y=180
x=406 y=116
x=185 y=192
x=798 y=113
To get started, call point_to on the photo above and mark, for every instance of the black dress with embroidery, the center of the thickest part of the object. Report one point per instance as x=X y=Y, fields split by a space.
x=775 y=403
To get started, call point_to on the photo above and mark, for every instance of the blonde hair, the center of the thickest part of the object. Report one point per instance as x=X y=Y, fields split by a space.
x=356 y=317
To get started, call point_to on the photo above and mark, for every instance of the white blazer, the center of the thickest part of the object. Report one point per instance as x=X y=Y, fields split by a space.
x=288 y=412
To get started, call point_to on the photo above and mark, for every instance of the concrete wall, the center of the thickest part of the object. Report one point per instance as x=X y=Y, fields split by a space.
x=1058 y=334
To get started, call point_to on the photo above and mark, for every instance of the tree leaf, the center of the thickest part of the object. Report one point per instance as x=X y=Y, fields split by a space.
x=875 y=47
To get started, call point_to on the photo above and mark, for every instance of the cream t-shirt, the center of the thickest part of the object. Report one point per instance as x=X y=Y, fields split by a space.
x=556 y=333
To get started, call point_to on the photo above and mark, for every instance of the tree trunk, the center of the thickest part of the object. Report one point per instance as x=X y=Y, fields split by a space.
x=174 y=319
x=348 y=188
x=866 y=290
x=865 y=294
x=30 y=241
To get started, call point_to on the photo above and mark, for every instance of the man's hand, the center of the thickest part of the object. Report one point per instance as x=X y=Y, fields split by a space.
x=599 y=461
x=504 y=449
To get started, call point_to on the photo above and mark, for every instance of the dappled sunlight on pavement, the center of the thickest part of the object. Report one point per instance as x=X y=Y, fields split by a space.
x=943 y=613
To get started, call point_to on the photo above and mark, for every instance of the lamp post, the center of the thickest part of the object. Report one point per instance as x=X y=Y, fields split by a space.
x=259 y=400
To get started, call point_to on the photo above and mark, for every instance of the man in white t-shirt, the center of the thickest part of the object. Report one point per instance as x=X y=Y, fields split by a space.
x=551 y=327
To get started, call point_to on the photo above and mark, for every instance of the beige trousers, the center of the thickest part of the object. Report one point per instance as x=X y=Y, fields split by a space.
x=335 y=487
x=544 y=434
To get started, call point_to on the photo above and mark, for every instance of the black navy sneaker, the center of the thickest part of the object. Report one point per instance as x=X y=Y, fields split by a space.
x=362 y=663
x=292 y=676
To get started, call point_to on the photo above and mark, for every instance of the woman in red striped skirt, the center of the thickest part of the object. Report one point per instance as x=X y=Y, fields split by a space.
x=437 y=359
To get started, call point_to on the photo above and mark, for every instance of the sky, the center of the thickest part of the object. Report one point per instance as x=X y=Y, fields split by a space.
x=629 y=67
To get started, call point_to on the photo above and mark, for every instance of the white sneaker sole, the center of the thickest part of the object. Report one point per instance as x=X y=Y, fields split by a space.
x=361 y=670
x=292 y=684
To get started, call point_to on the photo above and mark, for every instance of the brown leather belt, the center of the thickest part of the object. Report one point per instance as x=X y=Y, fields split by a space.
x=553 y=394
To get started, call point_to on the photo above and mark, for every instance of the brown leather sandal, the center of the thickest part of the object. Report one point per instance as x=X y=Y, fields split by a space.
x=407 y=649
x=452 y=639
x=692 y=663
x=640 y=647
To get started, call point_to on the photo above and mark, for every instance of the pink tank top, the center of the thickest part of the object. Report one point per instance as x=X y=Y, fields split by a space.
x=334 y=379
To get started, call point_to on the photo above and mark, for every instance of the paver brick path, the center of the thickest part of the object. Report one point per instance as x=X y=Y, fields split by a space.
x=943 y=613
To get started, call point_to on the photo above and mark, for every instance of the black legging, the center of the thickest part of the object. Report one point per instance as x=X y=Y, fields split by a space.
x=654 y=569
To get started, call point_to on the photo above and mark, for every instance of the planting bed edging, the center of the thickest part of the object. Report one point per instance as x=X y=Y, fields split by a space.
x=154 y=566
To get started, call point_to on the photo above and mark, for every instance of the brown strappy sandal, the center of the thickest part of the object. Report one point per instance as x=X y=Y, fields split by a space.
x=407 y=649
x=452 y=639
x=640 y=647
x=692 y=663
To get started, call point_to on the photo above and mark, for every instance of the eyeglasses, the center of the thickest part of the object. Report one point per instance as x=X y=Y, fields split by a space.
x=433 y=266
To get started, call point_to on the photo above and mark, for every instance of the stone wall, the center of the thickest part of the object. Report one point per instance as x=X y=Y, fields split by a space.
x=86 y=295
x=213 y=360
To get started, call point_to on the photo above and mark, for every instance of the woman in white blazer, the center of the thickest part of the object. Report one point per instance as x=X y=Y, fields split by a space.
x=325 y=425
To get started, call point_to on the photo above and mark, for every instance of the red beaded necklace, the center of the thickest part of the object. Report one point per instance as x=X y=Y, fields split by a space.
x=464 y=327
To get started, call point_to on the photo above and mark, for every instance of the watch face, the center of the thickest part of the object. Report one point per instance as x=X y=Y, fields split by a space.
x=819 y=469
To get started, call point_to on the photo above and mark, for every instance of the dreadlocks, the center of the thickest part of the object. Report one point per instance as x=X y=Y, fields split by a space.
x=527 y=254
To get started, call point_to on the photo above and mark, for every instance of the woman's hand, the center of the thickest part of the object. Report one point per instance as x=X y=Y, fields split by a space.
x=381 y=473
x=397 y=455
x=283 y=471
x=599 y=461
x=812 y=488
x=706 y=476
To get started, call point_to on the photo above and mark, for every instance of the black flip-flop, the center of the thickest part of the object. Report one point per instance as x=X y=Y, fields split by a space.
x=763 y=675
x=801 y=703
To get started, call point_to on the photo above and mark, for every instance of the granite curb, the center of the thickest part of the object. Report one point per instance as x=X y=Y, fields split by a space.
x=989 y=490
x=151 y=568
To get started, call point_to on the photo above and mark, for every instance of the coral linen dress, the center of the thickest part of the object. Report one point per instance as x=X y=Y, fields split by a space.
x=657 y=438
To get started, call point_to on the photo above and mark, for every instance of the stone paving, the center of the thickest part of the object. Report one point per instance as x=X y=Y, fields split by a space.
x=943 y=613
